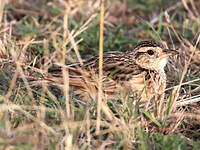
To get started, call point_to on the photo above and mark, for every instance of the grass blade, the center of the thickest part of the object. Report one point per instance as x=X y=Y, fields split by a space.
x=151 y=118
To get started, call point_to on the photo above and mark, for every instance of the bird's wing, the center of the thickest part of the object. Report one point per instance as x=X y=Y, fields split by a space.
x=117 y=68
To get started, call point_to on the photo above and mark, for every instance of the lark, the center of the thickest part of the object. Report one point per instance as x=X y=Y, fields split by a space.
x=138 y=73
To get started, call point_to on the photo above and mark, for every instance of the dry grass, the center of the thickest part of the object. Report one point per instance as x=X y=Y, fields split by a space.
x=40 y=114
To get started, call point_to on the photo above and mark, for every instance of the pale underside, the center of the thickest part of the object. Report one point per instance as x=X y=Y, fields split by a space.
x=138 y=88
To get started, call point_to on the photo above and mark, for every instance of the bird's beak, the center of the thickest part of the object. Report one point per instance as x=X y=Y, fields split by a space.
x=169 y=52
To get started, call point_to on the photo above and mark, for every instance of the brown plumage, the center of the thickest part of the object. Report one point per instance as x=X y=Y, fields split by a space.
x=138 y=73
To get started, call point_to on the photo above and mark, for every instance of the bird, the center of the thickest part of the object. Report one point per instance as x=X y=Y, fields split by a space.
x=138 y=73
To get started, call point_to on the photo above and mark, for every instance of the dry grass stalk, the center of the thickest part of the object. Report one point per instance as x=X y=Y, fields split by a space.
x=64 y=70
x=193 y=49
x=41 y=113
x=187 y=101
x=19 y=70
x=99 y=105
x=191 y=14
x=2 y=4
x=13 y=108
x=88 y=129
x=65 y=74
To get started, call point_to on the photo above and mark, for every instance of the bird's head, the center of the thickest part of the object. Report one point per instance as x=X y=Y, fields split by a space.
x=152 y=55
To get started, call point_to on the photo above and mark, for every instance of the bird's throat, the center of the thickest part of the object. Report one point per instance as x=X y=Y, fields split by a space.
x=162 y=64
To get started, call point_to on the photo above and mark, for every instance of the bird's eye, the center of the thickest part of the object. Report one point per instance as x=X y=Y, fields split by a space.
x=150 y=52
